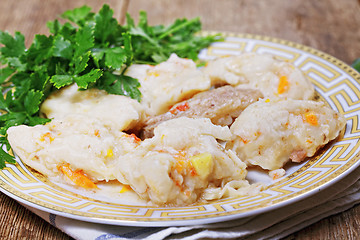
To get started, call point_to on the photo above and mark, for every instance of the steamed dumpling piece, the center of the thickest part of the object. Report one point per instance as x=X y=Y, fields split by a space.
x=182 y=160
x=270 y=133
x=115 y=111
x=274 y=78
x=169 y=82
x=81 y=142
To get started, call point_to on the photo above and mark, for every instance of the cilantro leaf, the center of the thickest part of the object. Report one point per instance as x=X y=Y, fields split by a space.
x=121 y=85
x=32 y=102
x=16 y=63
x=14 y=46
x=78 y=15
x=60 y=81
x=105 y=24
x=35 y=120
x=5 y=157
x=84 y=40
x=91 y=77
x=12 y=119
x=40 y=50
x=81 y=62
x=5 y=73
x=115 y=57
x=62 y=48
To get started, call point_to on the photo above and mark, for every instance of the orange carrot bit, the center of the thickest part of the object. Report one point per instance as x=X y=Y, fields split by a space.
x=133 y=137
x=136 y=139
x=47 y=137
x=276 y=176
x=78 y=177
x=180 y=166
x=311 y=119
x=180 y=155
x=97 y=133
x=244 y=140
x=180 y=108
x=283 y=85
x=187 y=193
x=178 y=183
x=193 y=171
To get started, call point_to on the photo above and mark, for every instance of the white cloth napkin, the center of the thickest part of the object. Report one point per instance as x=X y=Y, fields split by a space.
x=271 y=225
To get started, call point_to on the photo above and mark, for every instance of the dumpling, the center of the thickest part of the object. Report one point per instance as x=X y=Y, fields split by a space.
x=76 y=141
x=274 y=78
x=270 y=133
x=169 y=82
x=115 y=111
x=180 y=162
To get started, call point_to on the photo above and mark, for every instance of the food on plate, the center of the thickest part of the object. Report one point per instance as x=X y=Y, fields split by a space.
x=117 y=112
x=172 y=168
x=180 y=162
x=270 y=133
x=221 y=105
x=169 y=82
x=188 y=154
x=77 y=141
x=274 y=78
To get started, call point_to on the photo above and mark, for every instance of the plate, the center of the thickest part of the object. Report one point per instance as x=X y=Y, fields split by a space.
x=335 y=82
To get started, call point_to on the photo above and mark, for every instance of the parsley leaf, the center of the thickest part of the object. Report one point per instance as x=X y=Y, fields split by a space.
x=91 y=77
x=60 y=81
x=14 y=46
x=32 y=102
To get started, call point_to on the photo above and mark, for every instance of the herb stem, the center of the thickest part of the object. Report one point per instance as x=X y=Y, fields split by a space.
x=177 y=28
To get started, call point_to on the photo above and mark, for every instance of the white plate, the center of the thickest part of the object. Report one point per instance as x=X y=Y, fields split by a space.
x=335 y=82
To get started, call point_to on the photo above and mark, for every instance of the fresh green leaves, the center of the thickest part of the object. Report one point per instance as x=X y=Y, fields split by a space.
x=356 y=64
x=155 y=44
x=13 y=46
x=91 y=50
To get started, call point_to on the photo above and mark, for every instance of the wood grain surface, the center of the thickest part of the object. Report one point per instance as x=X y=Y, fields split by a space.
x=329 y=25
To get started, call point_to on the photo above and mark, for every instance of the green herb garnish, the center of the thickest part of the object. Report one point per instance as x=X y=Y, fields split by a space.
x=89 y=49
x=356 y=64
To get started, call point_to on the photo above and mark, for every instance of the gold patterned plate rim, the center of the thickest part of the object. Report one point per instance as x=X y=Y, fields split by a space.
x=336 y=83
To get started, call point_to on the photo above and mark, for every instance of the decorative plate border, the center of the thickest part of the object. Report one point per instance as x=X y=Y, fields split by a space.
x=337 y=84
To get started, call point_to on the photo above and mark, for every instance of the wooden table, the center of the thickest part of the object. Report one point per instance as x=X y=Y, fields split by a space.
x=329 y=25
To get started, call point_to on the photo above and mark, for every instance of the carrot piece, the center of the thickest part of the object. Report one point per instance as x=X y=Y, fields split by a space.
x=47 y=137
x=311 y=119
x=180 y=108
x=136 y=139
x=97 y=133
x=283 y=85
x=77 y=176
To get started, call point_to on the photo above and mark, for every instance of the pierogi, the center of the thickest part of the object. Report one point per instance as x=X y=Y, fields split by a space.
x=169 y=82
x=270 y=133
x=180 y=161
x=77 y=141
x=274 y=78
x=94 y=103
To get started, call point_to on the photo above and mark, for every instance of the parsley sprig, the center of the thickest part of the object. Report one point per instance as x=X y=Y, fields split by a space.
x=90 y=49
